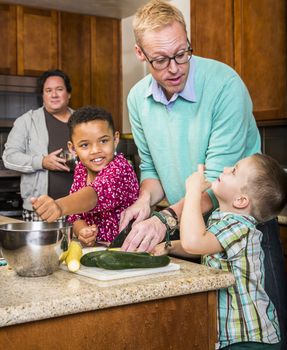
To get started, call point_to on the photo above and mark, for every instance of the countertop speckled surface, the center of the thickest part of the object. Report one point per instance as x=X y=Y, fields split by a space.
x=25 y=299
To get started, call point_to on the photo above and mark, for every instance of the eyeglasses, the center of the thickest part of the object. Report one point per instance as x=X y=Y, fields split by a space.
x=163 y=62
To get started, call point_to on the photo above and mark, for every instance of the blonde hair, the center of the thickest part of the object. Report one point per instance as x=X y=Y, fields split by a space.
x=267 y=188
x=155 y=15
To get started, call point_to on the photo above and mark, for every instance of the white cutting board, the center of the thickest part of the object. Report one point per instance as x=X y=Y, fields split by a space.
x=108 y=275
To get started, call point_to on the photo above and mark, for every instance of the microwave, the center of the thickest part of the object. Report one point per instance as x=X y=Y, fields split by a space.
x=18 y=94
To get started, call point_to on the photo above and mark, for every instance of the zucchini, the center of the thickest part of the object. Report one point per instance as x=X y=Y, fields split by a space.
x=115 y=260
x=90 y=259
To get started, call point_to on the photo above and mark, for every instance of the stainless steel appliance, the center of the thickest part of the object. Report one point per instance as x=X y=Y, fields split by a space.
x=18 y=94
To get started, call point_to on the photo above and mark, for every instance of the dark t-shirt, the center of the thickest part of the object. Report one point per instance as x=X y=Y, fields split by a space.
x=59 y=182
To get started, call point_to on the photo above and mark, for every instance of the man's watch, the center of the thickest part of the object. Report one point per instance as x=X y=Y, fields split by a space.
x=169 y=218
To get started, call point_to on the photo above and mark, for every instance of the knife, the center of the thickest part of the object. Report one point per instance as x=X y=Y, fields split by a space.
x=119 y=240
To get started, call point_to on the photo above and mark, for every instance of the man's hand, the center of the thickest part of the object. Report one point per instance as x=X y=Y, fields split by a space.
x=145 y=235
x=54 y=162
x=139 y=211
x=47 y=208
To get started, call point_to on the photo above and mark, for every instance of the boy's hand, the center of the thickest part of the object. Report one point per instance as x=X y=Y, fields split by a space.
x=160 y=249
x=197 y=181
x=47 y=208
x=87 y=235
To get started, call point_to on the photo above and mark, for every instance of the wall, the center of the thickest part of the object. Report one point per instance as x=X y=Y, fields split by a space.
x=132 y=69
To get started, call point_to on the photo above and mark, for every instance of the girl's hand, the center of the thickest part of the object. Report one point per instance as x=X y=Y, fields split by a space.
x=197 y=181
x=47 y=208
x=87 y=235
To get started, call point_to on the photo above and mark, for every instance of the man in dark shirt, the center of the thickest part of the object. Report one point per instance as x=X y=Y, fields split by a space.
x=36 y=143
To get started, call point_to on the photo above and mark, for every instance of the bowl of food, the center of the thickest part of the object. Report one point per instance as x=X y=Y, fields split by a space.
x=33 y=249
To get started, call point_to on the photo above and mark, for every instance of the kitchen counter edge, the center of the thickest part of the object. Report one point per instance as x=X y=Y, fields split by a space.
x=26 y=299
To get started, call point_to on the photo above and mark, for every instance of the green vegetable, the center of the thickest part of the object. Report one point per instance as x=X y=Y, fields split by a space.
x=115 y=260
x=90 y=259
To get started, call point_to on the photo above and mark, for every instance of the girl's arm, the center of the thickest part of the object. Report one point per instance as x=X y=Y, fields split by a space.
x=78 y=202
x=194 y=237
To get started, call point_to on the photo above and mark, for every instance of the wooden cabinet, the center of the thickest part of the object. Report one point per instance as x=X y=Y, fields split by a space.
x=37 y=40
x=182 y=322
x=29 y=40
x=251 y=37
x=8 y=44
x=106 y=87
x=75 y=55
x=87 y=48
x=90 y=53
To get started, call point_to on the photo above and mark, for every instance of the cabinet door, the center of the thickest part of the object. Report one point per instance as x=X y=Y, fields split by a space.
x=37 y=40
x=251 y=37
x=106 y=87
x=260 y=54
x=211 y=25
x=8 y=39
x=75 y=55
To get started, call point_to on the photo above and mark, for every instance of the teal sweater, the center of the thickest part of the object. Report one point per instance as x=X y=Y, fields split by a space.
x=217 y=129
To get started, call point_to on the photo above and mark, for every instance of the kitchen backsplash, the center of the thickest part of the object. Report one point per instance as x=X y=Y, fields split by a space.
x=274 y=142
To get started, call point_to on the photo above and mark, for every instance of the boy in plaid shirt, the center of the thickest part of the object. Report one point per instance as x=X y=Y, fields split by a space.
x=253 y=191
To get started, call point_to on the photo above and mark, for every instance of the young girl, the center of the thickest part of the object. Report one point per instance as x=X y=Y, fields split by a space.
x=104 y=182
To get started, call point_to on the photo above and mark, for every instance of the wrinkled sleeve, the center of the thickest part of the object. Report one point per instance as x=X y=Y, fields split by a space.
x=17 y=154
x=229 y=137
x=232 y=236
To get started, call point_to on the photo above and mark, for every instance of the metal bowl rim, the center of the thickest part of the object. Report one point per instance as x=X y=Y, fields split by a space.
x=31 y=226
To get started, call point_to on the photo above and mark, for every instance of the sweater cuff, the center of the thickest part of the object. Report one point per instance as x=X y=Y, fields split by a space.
x=37 y=162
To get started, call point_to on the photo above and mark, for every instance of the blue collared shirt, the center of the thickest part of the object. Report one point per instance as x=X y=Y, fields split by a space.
x=216 y=129
x=188 y=93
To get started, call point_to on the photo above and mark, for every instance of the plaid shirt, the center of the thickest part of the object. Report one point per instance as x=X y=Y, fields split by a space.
x=245 y=312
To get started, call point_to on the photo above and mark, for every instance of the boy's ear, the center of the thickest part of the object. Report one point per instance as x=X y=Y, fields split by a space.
x=241 y=201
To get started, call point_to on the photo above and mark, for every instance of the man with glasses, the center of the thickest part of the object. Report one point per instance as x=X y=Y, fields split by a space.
x=188 y=111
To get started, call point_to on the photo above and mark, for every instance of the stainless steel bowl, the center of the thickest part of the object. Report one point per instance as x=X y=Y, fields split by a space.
x=33 y=249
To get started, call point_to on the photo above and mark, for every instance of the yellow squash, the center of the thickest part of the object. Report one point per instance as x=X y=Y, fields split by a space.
x=72 y=256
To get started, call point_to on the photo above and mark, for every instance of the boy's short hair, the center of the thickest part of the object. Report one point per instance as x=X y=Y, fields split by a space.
x=154 y=15
x=54 y=73
x=87 y=114
x=267 y=188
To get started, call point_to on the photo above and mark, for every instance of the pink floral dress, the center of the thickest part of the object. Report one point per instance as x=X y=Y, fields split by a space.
x=117 y=188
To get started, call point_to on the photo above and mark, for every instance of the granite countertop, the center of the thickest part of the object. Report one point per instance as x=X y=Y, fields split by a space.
x=26 y=299
x=7 y=220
